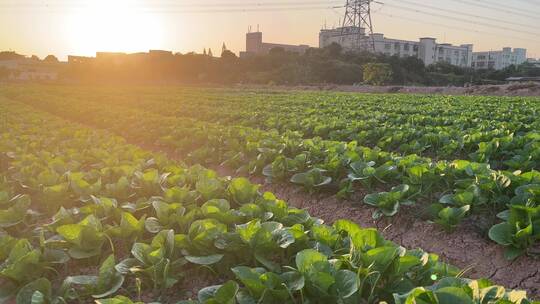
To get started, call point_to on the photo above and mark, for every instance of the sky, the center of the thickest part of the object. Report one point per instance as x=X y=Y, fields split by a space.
x=82 y=27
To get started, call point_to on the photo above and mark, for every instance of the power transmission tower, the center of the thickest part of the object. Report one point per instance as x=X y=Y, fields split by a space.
x=358 y=17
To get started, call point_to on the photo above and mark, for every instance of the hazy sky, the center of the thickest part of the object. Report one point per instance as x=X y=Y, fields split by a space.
x=82 y=27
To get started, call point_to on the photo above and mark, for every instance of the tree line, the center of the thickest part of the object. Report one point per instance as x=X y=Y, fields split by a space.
x=330 y=65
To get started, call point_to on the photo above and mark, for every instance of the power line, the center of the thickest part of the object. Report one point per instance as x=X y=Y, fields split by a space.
x=179 y=5
x=465 y=14
x=504 y=5
x=452 y=26
x=235 y=10
x=460 y=19
x=497 y=9
x=247 y=3
x=234 y=7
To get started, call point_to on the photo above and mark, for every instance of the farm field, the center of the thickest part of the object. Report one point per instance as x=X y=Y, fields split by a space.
x=86 y=214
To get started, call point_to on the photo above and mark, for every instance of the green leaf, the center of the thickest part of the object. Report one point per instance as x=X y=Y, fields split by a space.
x=293 y=280
x=511 y=253
x=23 y=263
x=125 y=266
x=15 y=214
x=251 y=279
x=452 y=295
x=117 y=300
x=109 y=280
x=322 y=280
x=307 y=259
x=324 y=234
x=501 y=233
x=347 y=283
x=226 y=293
x=248 y=230
x=209 y=188
x=381 y=257
x=206 y=294
x=312 y=179
x=84 y=280
x=205 y=260
x=153 y=225
x=27 y=293
x=242 y=191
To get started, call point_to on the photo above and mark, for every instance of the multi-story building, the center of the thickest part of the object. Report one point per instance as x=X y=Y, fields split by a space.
x=498 y=60
x=28 y=69
x=348 y=37
x=256 y=46
x=534 y=61
x=426 y=49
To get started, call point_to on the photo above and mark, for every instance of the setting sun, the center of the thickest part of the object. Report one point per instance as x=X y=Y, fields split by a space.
x=112 y=26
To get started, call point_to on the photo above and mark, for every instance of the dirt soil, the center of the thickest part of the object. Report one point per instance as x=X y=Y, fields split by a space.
x=516 y=89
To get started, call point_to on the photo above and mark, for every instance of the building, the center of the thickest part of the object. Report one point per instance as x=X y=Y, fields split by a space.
x=79 y=59
x=256 y=46
x=28 y=69
x=534 y=61
x=347 y=37
x=523 y=79
x=426 y=49
x=116 y=58
x=498 y=60
x=112 y=58
x=160 y=53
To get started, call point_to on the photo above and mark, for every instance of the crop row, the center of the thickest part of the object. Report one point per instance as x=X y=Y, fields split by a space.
x=500 y=131
x=83 y=215
x=459 y=188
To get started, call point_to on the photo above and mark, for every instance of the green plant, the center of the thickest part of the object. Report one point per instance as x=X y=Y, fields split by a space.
x=377 y=73
x=156 y=261
x=84 y=239
x=388 y=202
x=106 y=283
x=312 y=179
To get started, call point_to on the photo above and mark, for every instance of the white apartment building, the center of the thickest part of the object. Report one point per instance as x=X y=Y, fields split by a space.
x=426 y=49
x=498 y=60
x=347 y=37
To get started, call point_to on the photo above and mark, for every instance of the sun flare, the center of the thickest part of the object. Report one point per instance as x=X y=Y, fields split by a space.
x=119 y=25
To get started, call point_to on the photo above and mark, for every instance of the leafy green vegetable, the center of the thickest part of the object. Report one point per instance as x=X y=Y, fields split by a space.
x=312 y=179
x=388 y=202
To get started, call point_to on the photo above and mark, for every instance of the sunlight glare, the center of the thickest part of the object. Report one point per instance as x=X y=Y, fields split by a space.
x=113 y=25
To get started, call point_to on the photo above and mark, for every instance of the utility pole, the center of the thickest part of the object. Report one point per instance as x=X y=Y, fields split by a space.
x=358 y=16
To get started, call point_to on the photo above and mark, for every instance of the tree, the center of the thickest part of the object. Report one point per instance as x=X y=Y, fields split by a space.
x=51 y=59
x=377 y=73
x=210 y=52
x=228 y=55
x=9 y=55
x=334 y=50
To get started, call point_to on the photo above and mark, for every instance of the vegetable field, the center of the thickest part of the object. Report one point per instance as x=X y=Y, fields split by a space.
x=112 y=194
